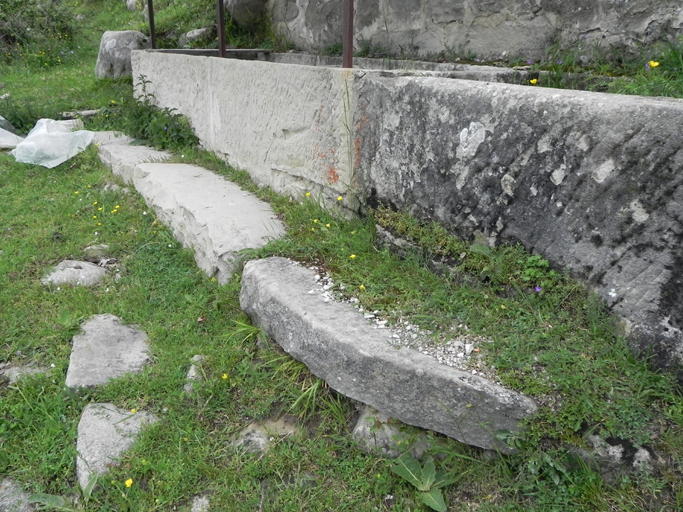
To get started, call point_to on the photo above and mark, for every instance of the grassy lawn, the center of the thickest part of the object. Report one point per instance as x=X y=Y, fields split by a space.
x=549 y=339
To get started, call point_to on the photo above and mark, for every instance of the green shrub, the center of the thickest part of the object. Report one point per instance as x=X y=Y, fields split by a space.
x=37 y=32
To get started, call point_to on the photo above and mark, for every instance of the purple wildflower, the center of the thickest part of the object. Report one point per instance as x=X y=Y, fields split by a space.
x=538 y=288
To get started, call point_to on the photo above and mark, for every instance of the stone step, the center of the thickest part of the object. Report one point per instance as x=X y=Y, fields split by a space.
x=205 y=212
x=341 y=347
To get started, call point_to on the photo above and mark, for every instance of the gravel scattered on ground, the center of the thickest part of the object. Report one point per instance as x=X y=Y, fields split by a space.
x=457 y=348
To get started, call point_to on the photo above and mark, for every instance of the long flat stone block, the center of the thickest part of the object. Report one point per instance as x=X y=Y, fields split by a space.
x=106 y=349
x=341 y=347
x=207 y=213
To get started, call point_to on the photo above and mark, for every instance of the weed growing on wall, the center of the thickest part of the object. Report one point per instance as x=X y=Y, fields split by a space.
x=142 y=119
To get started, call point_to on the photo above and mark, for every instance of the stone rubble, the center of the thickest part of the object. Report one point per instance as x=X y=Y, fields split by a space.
x=104 y=433
x=106 y=349
x=77 y=273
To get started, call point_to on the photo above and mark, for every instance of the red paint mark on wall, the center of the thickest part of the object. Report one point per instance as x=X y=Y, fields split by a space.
x=332 y=176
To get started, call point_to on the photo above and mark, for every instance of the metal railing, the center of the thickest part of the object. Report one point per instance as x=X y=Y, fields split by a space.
x=347 y=29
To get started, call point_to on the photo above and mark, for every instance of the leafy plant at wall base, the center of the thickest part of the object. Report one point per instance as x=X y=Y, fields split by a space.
x=161 y=127
x=426 y=479
x=54 y=502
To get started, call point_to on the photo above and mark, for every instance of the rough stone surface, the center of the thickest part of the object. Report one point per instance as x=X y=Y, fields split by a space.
x=256 y=438
x=122 y=158
x=194 y=374
x=615 y=458
x=14 y=373
x=78 y=273
x=134 y=5
x=489 y=30
x=106 y=349
x=105 y=432
x=13 y=498
x=207 y=213
x=546 y=168
x=113 y=60
x=376 y=432
x=341 y=347
x=297 y=117
x=194 y=35
x=247 y=13
x=200 y=504
x=96 y=252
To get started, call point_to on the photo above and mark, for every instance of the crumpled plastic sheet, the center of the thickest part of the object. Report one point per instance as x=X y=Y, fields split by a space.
x=9 y=140
x=51 y=142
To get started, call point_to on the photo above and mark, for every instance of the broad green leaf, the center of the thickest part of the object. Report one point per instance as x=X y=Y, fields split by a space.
x=428 y=475
x=50 y=501
x=92 y=481
x=434 y=500
x=440 y=480
x=409 y=468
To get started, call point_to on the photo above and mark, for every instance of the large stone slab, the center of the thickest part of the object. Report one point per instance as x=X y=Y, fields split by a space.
x=78 y=273
x=105 y=432
x=113 y=60
x=341 y=347
x=106 y=349
x=116 y=153
x=207 y=213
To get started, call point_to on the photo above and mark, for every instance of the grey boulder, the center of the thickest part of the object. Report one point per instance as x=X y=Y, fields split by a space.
x=113 y=60
x=78 y=273
x=246 y=13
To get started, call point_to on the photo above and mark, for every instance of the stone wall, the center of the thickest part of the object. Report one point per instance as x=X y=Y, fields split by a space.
x=590 y=181
x=487 y=29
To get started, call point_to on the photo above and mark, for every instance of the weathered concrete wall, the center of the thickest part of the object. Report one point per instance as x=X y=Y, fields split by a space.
x=590 y=181
x=288 y=125
x=489 y=29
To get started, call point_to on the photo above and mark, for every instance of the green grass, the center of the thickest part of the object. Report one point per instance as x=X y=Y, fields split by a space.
x=558 y=345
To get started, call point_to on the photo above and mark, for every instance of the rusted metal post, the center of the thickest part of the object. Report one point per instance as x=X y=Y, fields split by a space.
x=150 y=12
x=221 y=27
x=347 y=33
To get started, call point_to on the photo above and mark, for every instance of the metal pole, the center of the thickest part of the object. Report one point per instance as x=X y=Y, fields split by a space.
x=221 y=27
x=150 y=11
x=347 y=33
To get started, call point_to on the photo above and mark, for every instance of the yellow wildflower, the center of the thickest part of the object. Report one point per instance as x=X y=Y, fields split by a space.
x=308 y=194
x=225 y=376
x=353 y=256
x=653 y=63
x=533 y=81
x=129 y=482
x=340 y=198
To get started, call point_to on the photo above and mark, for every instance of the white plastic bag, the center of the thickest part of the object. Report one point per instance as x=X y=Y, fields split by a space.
x=51 y=142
